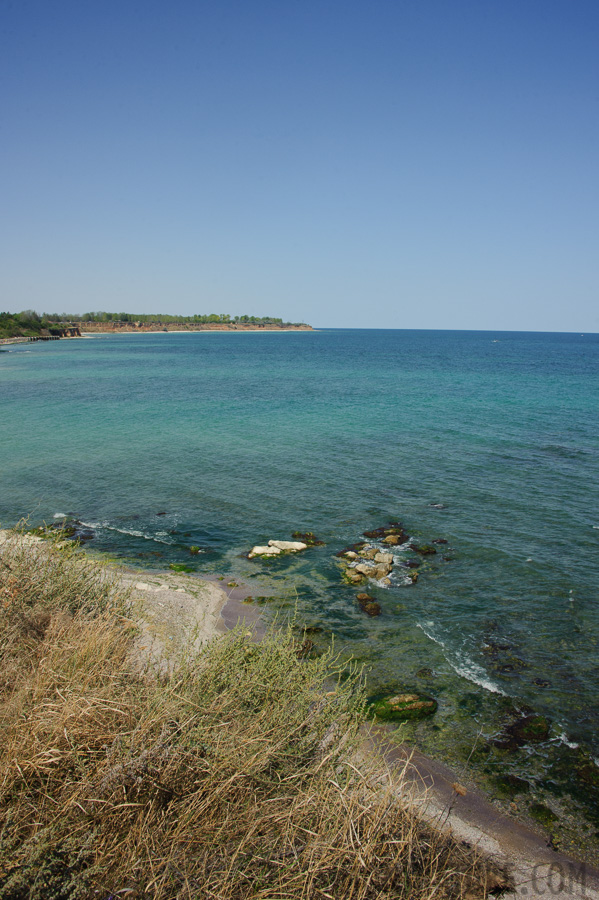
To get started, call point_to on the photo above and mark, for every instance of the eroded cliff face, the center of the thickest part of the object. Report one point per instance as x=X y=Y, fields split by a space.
x=123 y=327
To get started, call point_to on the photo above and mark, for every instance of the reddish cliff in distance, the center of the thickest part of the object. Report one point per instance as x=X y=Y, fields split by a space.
x=123 y=327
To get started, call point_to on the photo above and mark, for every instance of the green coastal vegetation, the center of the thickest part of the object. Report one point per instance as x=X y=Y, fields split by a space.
x=163 y=319
x=32 y=324
x=23 y=324
x=235 y=772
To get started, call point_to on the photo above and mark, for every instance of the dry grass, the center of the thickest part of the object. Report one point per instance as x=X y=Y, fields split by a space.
x=233 y=777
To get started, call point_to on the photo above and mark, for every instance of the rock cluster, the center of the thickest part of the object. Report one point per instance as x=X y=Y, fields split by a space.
x=368 y=563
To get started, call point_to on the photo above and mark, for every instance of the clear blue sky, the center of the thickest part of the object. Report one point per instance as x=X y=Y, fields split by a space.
x=400 y=164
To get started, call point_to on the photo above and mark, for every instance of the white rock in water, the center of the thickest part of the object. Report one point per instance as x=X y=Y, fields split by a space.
x=288 y=545
x=263 y=551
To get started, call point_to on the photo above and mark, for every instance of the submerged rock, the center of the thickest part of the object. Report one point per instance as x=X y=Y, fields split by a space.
x=533 y=729
x=369 y=605
x=423 y=549
x=308 y=538
x=529 y=729
x=402 y=707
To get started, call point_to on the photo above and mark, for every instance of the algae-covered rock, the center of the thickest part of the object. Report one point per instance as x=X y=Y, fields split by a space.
x=529 y=729
x=307 y=537
x=353 y=577
x=263 y=551
x=534 y=729
x=423 y=549
x=402 y=707
x=424 y=672
x=369 y=605
x=543 y=814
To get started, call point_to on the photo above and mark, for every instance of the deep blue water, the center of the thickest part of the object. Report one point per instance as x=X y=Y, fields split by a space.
x=239 y=438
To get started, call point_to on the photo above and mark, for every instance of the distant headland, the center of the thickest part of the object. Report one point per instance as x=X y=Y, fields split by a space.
x=29 y=325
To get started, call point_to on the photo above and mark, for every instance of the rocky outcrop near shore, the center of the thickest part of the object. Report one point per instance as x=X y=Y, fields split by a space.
x=275 y=548
x=387 y=553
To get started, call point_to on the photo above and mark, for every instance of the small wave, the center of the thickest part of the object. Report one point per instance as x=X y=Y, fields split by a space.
x=596 y=527
x=563 y=739
x=133 y=532
x=463 y=666
x=59 y=516
x=161 y=537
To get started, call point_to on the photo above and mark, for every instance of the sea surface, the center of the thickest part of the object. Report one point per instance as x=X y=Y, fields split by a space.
x=488 y=440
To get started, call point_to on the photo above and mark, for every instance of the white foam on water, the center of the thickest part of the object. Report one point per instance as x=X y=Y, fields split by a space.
x=133 y=532
x=464 y=666
x=563 y=739
x=59 y=516
x=596 y=527
x=161 y=537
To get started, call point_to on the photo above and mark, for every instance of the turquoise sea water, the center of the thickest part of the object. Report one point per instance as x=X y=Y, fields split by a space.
x=488 y=440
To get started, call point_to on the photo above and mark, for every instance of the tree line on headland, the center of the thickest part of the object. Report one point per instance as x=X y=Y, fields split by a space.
x=31 y=324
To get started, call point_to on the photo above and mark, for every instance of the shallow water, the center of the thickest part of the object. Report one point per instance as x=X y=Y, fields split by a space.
x=238 y=438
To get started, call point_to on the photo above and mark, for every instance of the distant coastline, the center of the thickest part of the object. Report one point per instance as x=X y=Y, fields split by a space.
x=134 y=328
x=31 y=326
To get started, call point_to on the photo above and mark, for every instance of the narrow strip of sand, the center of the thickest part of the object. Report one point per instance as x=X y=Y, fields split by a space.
x=433 y=790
